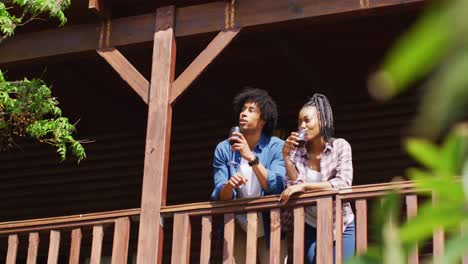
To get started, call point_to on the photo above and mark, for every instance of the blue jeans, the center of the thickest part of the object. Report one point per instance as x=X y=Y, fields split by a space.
x=310 y=242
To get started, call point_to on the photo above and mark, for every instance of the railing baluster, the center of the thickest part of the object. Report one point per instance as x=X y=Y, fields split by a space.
x=252 y=231
x=438 y=244
x=275 y=235
x=412 y=211
x=361 y=226
x=229 y=231
x=207 y=228
x=338 y=230
x=98 y=235
x=299 y=229
x=12 y=249
x=325 y=230
x=181 y=238
x=54 y=246
x=121 y=239
x=32 y=248
x=75 y=246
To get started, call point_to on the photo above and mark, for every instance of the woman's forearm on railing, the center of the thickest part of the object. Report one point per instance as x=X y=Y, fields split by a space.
x=317 y=185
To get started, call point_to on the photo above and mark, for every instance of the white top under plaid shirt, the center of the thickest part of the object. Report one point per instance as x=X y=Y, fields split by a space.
x=336 y=167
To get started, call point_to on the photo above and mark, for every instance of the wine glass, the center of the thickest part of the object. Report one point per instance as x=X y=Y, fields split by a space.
x=301 y=142
x=233 y=161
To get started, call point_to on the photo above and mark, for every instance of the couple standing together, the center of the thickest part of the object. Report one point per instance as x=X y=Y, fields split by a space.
x=268 y=165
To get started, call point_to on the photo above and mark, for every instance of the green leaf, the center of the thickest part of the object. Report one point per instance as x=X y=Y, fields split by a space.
x=393 y=251
x=372 y=256
x=455 y=248
x=424 y=152
x=452 y=152
x=416 y=52
x=429 y=218
x=465 y=179
x=446 y=189
x=445 y=99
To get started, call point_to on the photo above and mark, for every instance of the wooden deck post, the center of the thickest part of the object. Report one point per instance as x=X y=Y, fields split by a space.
x=157 y=138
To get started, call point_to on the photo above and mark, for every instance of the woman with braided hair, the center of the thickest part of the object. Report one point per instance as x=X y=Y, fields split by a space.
x=323 y=162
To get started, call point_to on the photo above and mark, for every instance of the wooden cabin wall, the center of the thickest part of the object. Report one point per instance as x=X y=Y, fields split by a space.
x=290 y=60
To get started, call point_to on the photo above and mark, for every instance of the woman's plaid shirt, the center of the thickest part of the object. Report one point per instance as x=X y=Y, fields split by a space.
x=336 y=167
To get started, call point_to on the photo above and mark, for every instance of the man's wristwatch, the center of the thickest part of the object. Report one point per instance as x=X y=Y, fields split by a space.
x=254 y=162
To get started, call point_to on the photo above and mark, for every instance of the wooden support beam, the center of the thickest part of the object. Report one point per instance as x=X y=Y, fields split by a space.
x=126 y=70
x=216 y=46
x=190 y=20
x=157 y=137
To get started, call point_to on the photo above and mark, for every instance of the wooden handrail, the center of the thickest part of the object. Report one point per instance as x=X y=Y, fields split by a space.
x=219 y=207
x=69 y=219
x=243 y=205
x=272 y=201
x=56 y=226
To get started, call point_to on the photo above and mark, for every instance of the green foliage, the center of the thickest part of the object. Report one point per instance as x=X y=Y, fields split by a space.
x=449 y=212
x=31 y=10
x=53 y=7
x=27 y=108
x=436 y=44
x=387 y=248
x=7 y=21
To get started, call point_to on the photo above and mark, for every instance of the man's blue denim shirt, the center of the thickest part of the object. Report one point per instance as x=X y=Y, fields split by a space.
x=269 y=152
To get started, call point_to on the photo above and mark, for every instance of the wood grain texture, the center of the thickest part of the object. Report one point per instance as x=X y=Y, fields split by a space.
x=121 y=240
x=361 y=226
x=127 y=71
x=181 y=239
x=158 y=137
x=190 y=20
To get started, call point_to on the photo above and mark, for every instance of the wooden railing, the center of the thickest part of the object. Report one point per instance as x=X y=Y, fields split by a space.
x=360 y=196
x=183 y=213
x=328 y=202
x=55 y=227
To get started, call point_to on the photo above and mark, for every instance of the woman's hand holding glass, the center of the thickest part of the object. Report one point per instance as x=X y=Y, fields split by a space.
x=294 y=141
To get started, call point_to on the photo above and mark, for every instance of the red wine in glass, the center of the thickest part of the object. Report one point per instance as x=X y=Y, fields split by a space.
x=300 y=141
x=233 y=130
x=301 y=138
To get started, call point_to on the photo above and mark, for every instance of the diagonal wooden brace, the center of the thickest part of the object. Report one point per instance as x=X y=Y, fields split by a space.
x=126 y=70
x=204 y=59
